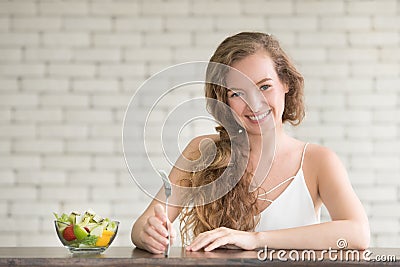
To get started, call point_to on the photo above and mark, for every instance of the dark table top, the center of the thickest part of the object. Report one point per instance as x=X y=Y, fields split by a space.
x=129 y=256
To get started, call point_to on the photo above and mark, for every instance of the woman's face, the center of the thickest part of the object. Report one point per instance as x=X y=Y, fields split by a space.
x=258 y=100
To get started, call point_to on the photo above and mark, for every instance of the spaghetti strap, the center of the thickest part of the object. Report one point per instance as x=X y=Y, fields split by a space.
x=275 y=187
x=302 y=156
x=262 y=195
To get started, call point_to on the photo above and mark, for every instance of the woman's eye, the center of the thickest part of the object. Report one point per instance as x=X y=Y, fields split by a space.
x=265 y=87
x=235 y=94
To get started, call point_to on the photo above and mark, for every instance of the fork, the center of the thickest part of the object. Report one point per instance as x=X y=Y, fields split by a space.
x=168 y=191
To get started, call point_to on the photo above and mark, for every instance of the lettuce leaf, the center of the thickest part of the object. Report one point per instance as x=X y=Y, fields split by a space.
x=62 y=218
x=90 y=240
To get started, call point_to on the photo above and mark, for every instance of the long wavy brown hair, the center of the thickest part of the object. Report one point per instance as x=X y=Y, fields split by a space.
x=237 y=209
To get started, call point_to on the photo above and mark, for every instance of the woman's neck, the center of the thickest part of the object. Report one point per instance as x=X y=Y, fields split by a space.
x=259 y=143
x=263 y=149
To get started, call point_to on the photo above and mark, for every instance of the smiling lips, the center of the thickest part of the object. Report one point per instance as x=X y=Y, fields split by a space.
x=258 y=118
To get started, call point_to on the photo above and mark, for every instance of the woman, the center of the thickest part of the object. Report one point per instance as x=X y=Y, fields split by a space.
x=283 y=212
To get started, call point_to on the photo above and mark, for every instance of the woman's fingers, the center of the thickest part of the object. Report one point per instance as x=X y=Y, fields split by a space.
x=198 y=241
x=155 y=232
x=217 y=243
x=153 y=246
x=204 y=239
x=156 y=236
x=158 y=225
x=159 y=212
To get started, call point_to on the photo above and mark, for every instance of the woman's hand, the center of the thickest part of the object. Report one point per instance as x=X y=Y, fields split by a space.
x=154 y=234
x=226 y=238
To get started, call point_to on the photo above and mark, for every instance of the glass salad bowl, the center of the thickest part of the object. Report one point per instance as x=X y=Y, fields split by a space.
x=87 y=233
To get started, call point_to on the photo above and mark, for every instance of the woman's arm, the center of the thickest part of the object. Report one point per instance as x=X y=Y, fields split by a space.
x=149 y=232
x=349 y=220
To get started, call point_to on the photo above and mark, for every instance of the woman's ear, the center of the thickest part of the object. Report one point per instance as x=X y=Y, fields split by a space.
x=286 y=88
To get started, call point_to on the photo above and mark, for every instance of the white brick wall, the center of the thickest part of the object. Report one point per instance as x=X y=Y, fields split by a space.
x=69 y=68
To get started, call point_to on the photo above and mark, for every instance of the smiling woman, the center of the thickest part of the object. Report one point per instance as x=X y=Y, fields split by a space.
x=277 y=201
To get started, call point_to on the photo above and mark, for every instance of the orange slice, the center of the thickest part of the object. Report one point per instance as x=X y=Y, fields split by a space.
x=104 y=239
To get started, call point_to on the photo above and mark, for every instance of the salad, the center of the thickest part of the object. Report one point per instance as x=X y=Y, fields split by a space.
x=85 y=230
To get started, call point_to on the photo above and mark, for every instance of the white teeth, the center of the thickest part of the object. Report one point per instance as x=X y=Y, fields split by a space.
x=259 y=117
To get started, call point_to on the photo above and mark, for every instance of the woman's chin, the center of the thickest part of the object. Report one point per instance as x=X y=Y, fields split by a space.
x=259 y=128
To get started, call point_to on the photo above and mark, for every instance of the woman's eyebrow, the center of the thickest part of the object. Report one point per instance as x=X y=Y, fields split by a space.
x=234 y=89
x=258 y=83
x=263 y=80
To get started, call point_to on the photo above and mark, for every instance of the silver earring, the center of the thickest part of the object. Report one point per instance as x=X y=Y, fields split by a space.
x=240 y=131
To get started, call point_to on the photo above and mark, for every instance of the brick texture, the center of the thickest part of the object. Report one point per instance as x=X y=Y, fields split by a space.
x=68 y=69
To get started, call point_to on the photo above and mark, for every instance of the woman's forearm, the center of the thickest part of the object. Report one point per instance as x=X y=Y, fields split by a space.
x=318 y=236
x=135 y=232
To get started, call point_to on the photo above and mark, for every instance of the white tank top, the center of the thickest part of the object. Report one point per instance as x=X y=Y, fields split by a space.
x=292 y=208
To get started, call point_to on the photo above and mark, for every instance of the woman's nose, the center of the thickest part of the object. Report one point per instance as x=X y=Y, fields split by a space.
x=255 y=100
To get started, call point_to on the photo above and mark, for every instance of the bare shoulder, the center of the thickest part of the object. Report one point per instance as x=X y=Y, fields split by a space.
x=320 y=152
x=192 y=150
x=184 y=164
x=324 y=161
